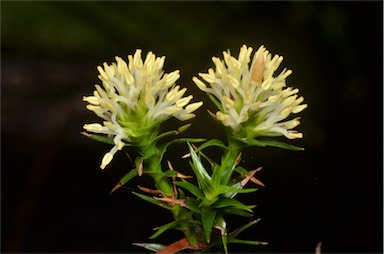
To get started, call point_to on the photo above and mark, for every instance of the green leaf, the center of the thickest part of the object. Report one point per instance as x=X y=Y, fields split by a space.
x=201 y=174
x=227 y=202
x=248 y=242
x=212 y=142
x=275 y=143
x=163 y=228
x=262 y=142
x=229 y=190
x=100 y=138
x=222 y=226
x=131 y=174
x=173 y=132
x=235 y=211
x=156 y=247
x=208 y=218
x=252 y=142
x=216 y=102
x=193 y=205
x=193 y=189
x=153 y=200
x=233 y=234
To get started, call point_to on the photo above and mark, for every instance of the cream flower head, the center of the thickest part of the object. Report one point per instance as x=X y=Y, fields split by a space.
x=251 y=100
x=134 y=99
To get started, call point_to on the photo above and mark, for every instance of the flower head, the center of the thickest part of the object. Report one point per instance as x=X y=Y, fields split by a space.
x=251 y=100
x=133 y=100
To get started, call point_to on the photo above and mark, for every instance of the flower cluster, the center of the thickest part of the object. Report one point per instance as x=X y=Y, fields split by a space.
x=251 y=101
x=253 y=104
x=134 y=99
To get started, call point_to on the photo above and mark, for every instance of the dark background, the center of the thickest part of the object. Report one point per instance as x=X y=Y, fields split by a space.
x=54 y=197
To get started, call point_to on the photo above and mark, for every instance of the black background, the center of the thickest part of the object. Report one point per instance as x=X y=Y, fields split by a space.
x=54 y=197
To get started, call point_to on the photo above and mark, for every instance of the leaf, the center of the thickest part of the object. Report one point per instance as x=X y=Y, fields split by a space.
x=173 y=132
x=216 y=102
x=193 y=189
x=200 y=172
x=228 y=190
x=176 y=247
x=208 y=218
x=235 y=211
x=193 y=205
x=242 y=228
x=151 y=246
x=221 y=225
x=163 y=228
x=239 y=241
x=275 y=143
x=212 y=142
x=227 y=202
x=100 y=138
x=153 y=200
x=262 y=142
x=131 y=174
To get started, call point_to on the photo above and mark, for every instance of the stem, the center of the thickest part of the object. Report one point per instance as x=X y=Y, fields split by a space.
x=152 y=162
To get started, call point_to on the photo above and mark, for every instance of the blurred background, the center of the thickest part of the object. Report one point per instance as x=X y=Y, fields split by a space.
x=54 y=196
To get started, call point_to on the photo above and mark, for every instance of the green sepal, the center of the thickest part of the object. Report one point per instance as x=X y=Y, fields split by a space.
x=208 y=218
x=163 y=228
x=228 y=202
x=193 y=189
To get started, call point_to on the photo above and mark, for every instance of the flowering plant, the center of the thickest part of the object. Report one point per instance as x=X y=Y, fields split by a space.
x=254 y=106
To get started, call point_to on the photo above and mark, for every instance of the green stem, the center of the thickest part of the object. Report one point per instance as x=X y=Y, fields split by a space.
x=152 y=164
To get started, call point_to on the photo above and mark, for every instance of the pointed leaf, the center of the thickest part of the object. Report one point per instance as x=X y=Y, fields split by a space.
x=216 y=102
x=212 y=142
x=151 y=246
x=153 y=200
x=208 y=218
x=176 y=247
x=202 y=175
x=163 y=228
x=239 y=241
x=229 y=190
x=242 y=228
x=275 y=143
x=193 y=205
x=235 y=211
x=221 y=225
x=131 y=174
x=227 y=202
x=193 y=189
x=100 y=138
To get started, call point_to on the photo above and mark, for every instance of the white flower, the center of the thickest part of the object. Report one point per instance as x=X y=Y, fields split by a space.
x=135 y=98
x=251 y=100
